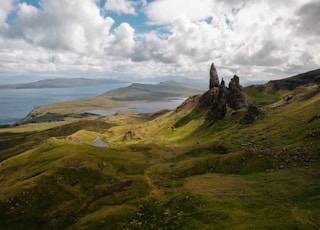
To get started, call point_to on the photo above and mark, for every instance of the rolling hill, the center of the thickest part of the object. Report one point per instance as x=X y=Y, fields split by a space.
x=171 y=170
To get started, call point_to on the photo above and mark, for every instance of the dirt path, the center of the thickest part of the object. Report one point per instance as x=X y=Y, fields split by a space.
x=154 y=189
x=301 y=220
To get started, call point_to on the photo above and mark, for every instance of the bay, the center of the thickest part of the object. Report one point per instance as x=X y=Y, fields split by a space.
x=147 y=107
x=15 y=104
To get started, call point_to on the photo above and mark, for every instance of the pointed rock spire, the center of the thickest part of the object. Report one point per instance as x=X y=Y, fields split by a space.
x=214 y=79
x=223 y=83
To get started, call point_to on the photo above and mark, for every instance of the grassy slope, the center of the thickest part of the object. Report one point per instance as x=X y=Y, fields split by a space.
x=172 y=172
x=17 y=140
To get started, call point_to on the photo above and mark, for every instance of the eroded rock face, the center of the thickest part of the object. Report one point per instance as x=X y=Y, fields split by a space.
x=215 y=100
x=236 y=96
x=218 y=96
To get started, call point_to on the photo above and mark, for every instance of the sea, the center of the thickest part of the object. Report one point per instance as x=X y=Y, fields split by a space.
x=15 y=104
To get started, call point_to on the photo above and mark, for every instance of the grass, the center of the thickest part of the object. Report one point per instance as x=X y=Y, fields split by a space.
x=264 y=94
x=19 y=139
x=268 y=197
x=171 y=171
x=107 y=217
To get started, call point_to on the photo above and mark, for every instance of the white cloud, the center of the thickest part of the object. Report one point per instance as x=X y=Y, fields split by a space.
x=63 y=36
x=64 y=24
x=122 y=43
x=188 y=42
x=120 y=6
x=5 y=8
x=165 y=11
x=68 y=25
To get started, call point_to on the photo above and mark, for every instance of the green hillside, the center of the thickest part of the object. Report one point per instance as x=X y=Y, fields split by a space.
x=171 y=170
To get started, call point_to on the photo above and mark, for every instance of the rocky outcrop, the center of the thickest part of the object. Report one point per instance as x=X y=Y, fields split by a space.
x=219 y=96
x=216 y=100
x=129 y=134
x=253 y=113
x=236 y=96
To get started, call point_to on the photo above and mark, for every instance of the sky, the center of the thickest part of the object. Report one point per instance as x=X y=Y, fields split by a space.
x=258 y=40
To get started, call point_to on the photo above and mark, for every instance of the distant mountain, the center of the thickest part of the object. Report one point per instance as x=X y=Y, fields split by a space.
x=60 y=83
x=138 y=91
x=201 y=82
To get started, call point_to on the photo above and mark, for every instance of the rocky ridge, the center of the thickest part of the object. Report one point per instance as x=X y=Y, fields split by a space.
x=293 y=82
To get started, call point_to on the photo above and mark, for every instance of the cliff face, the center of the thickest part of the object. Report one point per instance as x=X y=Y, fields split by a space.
x=216 y=100
x=219 y=96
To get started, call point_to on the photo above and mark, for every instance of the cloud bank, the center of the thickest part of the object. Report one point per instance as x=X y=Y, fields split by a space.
x=258 y=40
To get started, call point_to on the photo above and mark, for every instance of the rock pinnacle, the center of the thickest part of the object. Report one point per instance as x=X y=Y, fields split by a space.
x=214 y=79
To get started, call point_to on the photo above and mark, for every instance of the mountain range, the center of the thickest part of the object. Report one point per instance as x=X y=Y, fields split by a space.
x=60 y=83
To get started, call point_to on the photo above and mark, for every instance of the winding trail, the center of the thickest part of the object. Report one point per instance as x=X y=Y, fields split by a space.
x=154 y=191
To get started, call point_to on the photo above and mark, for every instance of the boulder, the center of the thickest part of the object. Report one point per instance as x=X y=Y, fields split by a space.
x=253 y=113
